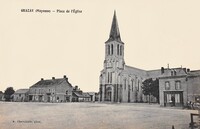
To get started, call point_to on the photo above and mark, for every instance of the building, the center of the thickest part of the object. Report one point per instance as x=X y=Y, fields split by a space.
x=179 y=87
x=122 y=83
x=92 y=96
x=52 y=90
x=1 y=96
x=80 y=96
x=21 y=95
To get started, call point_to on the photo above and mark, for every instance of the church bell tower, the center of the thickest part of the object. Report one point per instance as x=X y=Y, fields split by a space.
x=113 y=64
x=114 y=48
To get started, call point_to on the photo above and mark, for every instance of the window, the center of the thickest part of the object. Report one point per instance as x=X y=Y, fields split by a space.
x=167 y=86
x=172 y=73
x=117 y=49
x=108 y=49
x=169 y=98
x=177 y=98
x=108 y=77
x=175 y=73
x=120 y=50
x=125 y=84
x=66 y=92
x=138 y=85
x=177 y=85
x=111 y=49
x=19 y=95
x=132 y=84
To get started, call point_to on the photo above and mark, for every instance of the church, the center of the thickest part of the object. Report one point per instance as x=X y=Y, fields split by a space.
x=122 y=83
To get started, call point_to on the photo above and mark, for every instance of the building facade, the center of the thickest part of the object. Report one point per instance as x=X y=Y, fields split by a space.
x=122 y=83
x=52 y=90
x=21 y=95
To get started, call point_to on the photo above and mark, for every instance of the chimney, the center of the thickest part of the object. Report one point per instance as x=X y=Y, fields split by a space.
x=53 y=78
x=184 y=69
x=162 y=70
x=76 y=87
x=65 y=77
x=42 y=79
x=188 y=70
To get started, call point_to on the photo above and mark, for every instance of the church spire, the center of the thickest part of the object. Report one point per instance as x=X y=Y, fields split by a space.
x=114 y=32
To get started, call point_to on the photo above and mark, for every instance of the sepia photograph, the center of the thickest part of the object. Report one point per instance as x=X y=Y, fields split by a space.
x=100 y=64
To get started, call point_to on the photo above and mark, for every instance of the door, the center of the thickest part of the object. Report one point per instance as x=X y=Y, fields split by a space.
x=173 y=98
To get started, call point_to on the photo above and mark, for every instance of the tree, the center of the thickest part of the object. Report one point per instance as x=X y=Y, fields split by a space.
x=155 y=89
x=151 y=87
x=8 y=92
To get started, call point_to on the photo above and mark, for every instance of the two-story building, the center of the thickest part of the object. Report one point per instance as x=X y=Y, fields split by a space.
x=51 y=90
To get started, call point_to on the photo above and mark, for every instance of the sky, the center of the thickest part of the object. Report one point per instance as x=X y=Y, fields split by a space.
x=36 y=45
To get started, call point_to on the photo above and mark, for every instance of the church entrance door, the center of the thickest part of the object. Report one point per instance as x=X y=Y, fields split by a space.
x=108 y=94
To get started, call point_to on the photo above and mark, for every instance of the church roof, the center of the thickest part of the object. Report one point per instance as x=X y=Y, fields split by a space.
x=114 y=31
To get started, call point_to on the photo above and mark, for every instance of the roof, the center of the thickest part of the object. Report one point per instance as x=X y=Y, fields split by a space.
x=194 y=73
x=114 y=31
x=51 y=82
x=77 y=94
x=133 y=70
x=91 y=93
x=86 y=95
x=21 y=91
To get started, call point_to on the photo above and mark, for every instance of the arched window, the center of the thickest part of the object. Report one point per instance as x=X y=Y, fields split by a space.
x=120 y=50
x=111 y=49
x=117 y=49
x=108 y=49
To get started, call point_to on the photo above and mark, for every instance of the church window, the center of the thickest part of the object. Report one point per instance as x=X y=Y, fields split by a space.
x=120 y=50
x=138 y=85
x=177 y=85
x=117 y=49
x=111 y=49
x=132 y=84
x=108 y=49
x=167 y=86
x=125 y=84
x=108 y=77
